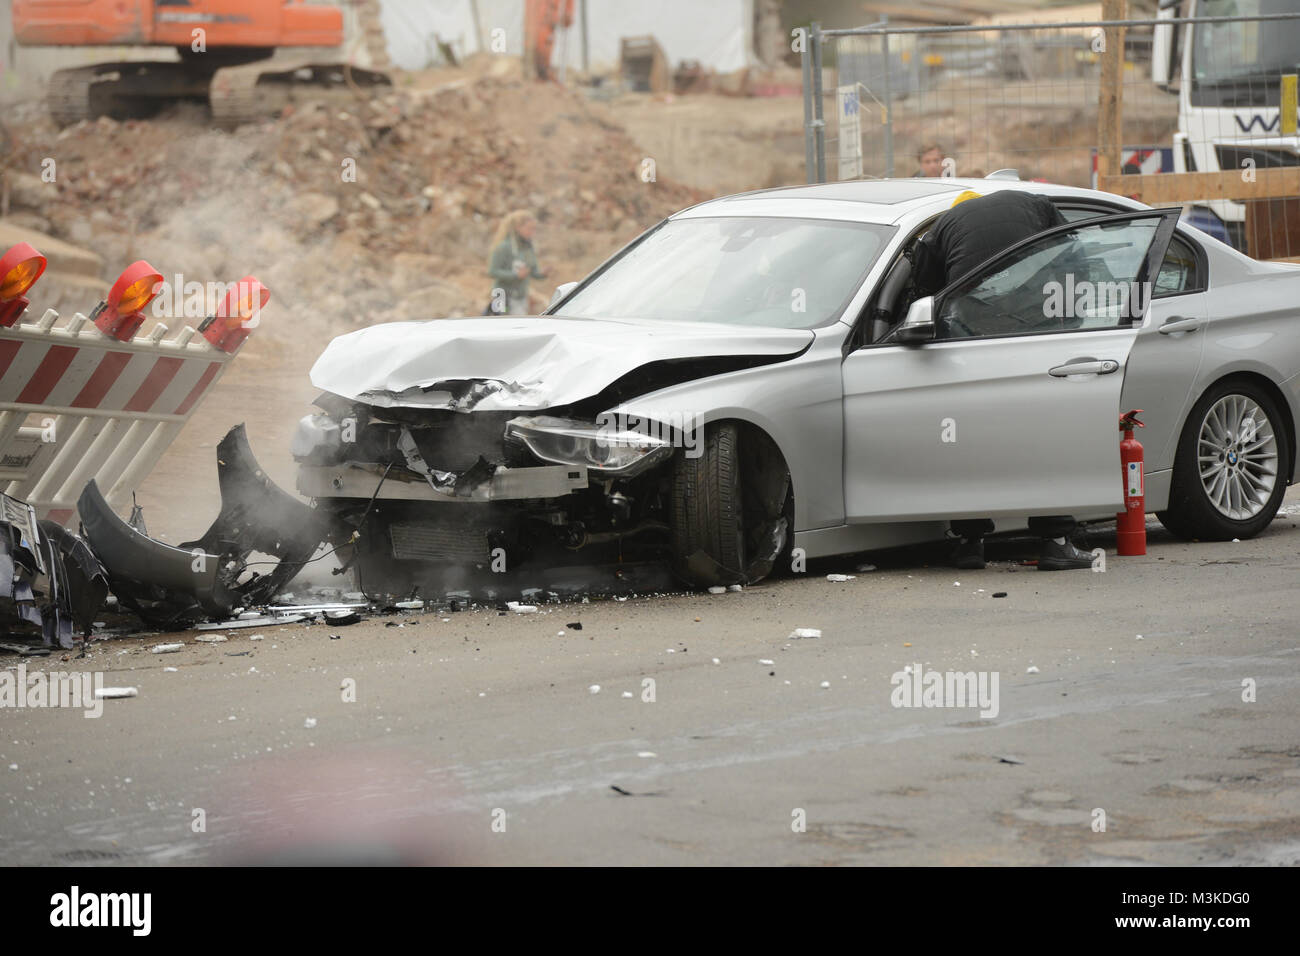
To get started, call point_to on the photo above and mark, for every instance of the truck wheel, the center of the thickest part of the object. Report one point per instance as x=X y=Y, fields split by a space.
x=1230 y=470
x=707 y=512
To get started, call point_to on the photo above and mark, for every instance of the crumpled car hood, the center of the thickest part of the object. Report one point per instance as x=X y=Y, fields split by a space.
x=506 y=363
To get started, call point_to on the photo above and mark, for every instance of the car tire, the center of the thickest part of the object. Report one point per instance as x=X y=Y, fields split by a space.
x=707 y=513
x=1217 y=493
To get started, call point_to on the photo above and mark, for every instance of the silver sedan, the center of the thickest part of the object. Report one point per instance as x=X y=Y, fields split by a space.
x=756 y=381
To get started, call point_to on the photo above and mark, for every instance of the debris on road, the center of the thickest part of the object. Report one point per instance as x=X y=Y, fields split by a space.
x=51 y=583
x=166 y=648
x=804 y=632
x=110 y=693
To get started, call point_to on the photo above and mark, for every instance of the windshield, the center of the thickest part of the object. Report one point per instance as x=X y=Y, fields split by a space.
x=784 y=273
x=1241 y=52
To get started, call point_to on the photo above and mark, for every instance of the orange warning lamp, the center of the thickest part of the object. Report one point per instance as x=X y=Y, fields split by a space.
x=237 y=315
x=20 y=267
x=122 y=313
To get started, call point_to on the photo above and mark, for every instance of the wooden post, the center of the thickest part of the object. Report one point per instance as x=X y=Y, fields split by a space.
x=1110 y=105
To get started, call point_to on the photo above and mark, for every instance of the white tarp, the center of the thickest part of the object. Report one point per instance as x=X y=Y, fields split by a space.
x=718 y=33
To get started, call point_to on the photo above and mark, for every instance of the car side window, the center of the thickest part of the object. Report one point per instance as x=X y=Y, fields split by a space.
x=1082 y=278
x=1179 y=272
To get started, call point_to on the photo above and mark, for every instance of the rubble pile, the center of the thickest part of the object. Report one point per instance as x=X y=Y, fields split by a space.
x=357 y=208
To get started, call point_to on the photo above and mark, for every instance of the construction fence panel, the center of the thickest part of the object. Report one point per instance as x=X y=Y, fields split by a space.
x=1033 y=98
x=77 y=404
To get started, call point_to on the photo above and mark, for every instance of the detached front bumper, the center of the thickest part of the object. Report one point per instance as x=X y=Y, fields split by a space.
x=210 y=576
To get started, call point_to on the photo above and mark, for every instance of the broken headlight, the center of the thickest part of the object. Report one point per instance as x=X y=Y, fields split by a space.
x=608 y=452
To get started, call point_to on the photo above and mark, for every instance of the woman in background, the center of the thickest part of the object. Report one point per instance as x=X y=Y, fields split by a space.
x=513 y=264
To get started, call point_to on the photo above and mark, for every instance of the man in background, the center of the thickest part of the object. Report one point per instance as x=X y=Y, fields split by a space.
x=929 y=160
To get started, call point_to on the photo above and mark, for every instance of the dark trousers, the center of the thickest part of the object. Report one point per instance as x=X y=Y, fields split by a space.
x=1043 y=526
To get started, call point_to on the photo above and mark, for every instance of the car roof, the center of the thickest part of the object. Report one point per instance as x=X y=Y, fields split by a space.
x=884 y=201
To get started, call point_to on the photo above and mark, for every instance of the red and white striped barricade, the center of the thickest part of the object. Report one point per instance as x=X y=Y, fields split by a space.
x=92 y=399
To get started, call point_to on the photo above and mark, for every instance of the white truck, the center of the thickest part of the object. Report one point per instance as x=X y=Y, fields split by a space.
x=1229 y=94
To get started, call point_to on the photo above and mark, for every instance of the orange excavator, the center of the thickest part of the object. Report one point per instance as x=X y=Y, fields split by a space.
x=221 y=45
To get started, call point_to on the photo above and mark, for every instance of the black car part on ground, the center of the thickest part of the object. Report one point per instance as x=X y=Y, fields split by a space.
x=210 y=576
x=51 y=583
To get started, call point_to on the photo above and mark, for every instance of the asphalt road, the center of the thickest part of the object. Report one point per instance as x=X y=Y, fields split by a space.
x=476 y=738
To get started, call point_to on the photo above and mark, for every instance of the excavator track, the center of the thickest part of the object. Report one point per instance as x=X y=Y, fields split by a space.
x=68 y=94
x=126 y=90
x=253 y=92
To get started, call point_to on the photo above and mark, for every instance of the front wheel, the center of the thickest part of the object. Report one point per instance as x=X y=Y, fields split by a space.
x=1230 y=471
x=730 y=515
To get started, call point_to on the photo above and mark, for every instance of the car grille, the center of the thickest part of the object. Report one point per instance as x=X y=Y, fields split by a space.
x=430 y=542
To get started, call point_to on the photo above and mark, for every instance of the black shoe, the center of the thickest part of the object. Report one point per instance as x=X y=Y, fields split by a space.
x=1062 y=557
x=969 y=554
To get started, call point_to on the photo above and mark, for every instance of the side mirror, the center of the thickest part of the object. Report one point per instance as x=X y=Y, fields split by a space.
x=918 y=327
x=561 y=290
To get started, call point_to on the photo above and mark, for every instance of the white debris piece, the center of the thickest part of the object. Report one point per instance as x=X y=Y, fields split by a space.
x=249 y=615
x=559 y=633
x=212 y=638
x=13 y=766
x=763 y=660
x=105 y=693
x=716 y=661
x=838 y=578
x=165 y=648
x=1031 y=669
x=171 y=670
x=258 y=637
x=627 y=693
x=735 y=587
x=647 y=753
x=717 y=590
x=865 y=567
x=309 y=723
x=825 y=685
x=521 y=608
x=594 y=689
x=801 y=632
x=410 y=605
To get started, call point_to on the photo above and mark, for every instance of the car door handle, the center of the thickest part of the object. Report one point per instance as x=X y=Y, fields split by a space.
x=1102 y=367
x=1177 y=323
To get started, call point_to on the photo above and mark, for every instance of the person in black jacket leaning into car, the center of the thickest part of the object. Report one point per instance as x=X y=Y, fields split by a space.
x=973 y=231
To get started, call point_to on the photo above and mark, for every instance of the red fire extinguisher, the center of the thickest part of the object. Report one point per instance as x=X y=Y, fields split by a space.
x=1131 y=523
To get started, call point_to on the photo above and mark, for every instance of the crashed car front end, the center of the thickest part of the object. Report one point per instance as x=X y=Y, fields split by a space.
x=438 y=478
x=435 y=491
